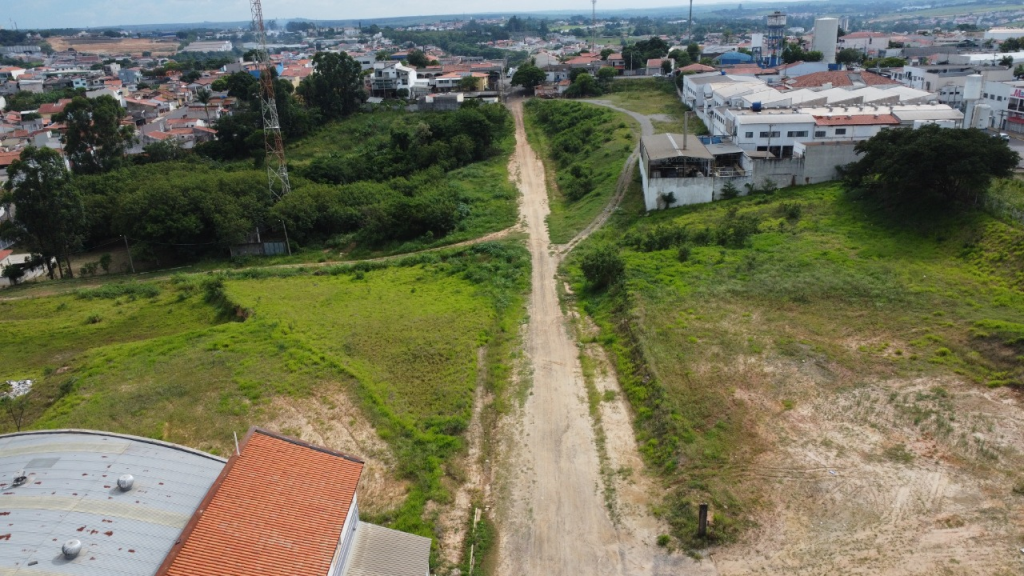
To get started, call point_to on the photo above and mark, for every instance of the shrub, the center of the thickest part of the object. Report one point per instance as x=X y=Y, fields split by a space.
x=730 y=191
x=602 y=266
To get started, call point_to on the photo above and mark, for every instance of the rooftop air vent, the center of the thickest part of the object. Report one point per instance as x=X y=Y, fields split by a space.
x=20 y=478
x=71 y=548
x=125 y=482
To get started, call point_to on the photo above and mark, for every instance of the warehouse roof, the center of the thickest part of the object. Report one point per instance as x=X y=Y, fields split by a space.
x=252 y=521
x=662 y=146
x=62 y=485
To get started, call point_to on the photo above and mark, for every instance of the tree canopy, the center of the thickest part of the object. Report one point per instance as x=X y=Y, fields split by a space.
x=930 y=167
x=336 y=87
x=50 y=216
x=528 y=76
x=95 y=140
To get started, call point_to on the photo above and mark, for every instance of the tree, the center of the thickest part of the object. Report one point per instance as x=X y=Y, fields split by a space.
x=418 y=59
x=468 y=84
x=666 y=67
x=528 y=76
x=583 y=86
x=203 y=96
x=380 y=56
x=336 y=87
x=15 y=408
x=607 y=74
x=693 y=49
x=849 y=56
x=1019 y=71
x=49 y=215
x=95 y=140
x=1012 y=45
x=1006 y=61
x=682 y=57
x=606 y=53
x=930 y=167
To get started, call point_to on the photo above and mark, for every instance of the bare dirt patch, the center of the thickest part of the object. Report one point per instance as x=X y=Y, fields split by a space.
x=332 y=421
x=133 y=46
x=899 y=476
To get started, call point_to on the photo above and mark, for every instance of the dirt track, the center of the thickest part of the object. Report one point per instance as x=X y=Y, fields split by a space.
x=554 y=519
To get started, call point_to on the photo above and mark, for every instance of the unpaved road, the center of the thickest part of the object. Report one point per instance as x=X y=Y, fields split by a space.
x=554 y=520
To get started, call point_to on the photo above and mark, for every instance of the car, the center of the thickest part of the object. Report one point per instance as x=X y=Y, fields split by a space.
x=1004 y=136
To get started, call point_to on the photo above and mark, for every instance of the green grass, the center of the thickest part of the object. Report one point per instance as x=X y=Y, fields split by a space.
x=931 y=297
x=345 y=136
x=401 y=339
x=654 y=97
x=602 y=158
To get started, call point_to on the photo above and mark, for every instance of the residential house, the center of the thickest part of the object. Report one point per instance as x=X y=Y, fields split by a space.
x=870 y=43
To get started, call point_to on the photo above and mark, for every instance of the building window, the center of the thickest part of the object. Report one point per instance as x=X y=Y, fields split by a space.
x=797 y=134
x=773 y=134
x=840 y=131
x=819 y=134
x=749 y=134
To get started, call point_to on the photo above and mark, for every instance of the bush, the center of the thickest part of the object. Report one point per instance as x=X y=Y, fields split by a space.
x=602 y=266
x=730 y=191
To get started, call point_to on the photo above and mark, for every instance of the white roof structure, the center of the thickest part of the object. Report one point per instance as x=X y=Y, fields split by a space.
x=379 y=551
x=70 y=491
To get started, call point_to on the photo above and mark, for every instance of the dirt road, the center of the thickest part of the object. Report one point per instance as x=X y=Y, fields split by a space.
x=555 y=520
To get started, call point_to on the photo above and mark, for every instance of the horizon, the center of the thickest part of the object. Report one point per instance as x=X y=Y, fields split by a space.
x=84 y=14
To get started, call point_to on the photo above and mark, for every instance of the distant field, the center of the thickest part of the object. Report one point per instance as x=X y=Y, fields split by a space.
x=133 y=46
x=171 y=360
x=958 y=10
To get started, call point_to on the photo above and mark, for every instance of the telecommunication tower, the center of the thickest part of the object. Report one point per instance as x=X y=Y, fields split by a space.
x=775 y=39
x=593 y=26
x=277 y=169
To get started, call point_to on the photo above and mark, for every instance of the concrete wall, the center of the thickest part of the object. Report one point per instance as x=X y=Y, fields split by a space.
x=817 y=163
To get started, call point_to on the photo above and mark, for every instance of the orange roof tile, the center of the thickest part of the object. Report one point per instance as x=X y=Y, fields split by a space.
x=838 y=79
x=275 y=510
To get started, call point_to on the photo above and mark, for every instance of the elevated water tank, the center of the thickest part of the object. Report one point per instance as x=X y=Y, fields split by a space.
x=826 y=35
x=972 y=87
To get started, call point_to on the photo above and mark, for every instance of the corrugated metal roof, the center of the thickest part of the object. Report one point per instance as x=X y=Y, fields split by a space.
x=661 y=146
x=379 y=551
x=723 y=148
x=276 y=510
x=71 y=492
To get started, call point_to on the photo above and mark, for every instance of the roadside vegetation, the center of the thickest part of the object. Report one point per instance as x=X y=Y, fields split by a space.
x=584 y=148
x=657 y=98
x=197 y=357
x=707 y=307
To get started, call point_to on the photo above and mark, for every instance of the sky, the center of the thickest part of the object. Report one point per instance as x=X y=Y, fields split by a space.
x=38 y=14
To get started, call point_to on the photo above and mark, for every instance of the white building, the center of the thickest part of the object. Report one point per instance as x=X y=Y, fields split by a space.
x=870 y=43
x=947 y=80
x=1001 y=34
x=1004 y=110
x=394 y=76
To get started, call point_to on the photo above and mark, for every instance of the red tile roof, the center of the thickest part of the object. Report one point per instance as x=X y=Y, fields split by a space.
x=697 y=68
x=857 y=120
x=275 y=510
x=4 y=254
x=838 y=78
x=8 y=158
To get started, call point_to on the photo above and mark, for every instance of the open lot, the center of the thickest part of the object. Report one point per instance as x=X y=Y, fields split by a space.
x=842 y=387
x=133 y=46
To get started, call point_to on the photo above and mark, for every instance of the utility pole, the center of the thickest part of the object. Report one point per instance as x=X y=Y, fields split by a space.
x=593 y=26
x=129 y=250
x=287 y=244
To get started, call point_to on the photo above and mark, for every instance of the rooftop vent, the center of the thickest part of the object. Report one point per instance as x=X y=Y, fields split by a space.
x=71 y=548
x=125 y=482
x=20 y=478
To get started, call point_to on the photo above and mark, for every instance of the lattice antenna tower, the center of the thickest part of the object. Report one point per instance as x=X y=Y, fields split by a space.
x=593 y=27
x=277 y=169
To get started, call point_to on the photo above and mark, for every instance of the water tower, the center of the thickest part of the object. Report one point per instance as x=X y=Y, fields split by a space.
x=757 y=47
x=775 y=39
x=826 y=35
x=972 y=93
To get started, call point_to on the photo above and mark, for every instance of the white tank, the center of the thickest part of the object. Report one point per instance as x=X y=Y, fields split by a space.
x=757 y=40
x=826 y=35
x=980 y=118
x=972 y=87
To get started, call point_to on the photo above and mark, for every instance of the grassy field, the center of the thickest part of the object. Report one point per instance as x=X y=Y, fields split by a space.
x=197 y=357
x=605 y=140
x=801 y=295
x=656 y=98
